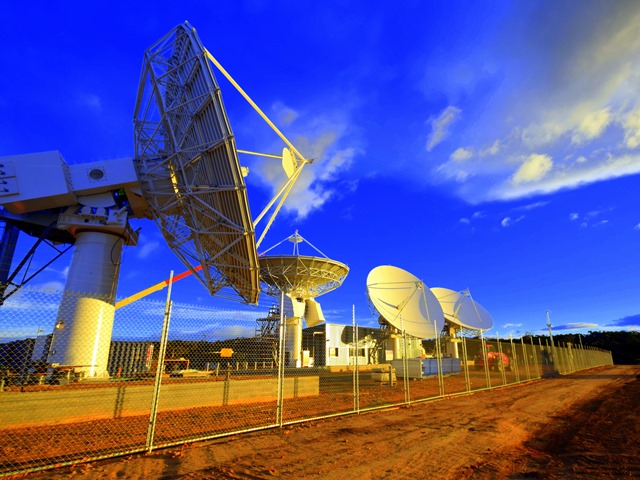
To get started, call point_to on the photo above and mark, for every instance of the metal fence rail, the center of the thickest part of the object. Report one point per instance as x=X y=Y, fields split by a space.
x=181 y=373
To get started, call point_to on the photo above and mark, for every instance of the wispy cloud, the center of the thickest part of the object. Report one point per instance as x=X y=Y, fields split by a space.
x=283 y=115
x=474 y=216
x=533 y=169
x=324 y=141
x=591 y=218
x=89 y=101
x=532 y=206
x=631 y=126
x=508 y=221
x=461 y=154
x=440 y=126
x=579 y=122
x=574 y=326
x=146 y=249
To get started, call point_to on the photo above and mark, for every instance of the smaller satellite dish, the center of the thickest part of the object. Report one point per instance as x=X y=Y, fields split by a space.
x=461 y=309
x=405 y=302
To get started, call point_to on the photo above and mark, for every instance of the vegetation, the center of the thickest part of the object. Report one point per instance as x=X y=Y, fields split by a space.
x=624 y=346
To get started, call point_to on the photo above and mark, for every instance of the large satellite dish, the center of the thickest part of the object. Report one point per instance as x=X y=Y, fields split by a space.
x=187 y=163
x=185 y=176
x=460 y=309
x=404 y=301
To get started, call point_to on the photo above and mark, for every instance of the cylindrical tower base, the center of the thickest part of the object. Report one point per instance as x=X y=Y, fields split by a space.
x=82 y=334
x=294 y=341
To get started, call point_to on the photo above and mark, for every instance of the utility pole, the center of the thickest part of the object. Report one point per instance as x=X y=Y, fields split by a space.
x=550 y=334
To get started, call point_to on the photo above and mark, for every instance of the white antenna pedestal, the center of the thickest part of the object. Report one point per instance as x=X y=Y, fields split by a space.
x=294 y=341
x=84 y=323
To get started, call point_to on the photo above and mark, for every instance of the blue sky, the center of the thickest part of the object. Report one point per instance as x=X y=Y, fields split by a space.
x=480 y=145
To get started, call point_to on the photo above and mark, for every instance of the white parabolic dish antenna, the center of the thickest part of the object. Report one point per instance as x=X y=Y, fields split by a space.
x=301 y=279
x=460 y=309
x=187 y=163
x=300 y=276
x=185 y=176
x=405 y=301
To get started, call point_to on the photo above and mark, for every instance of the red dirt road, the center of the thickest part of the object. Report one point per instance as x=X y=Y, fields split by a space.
x=585 y=425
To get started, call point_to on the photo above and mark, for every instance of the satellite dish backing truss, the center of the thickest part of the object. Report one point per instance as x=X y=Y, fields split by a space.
x=187 y=163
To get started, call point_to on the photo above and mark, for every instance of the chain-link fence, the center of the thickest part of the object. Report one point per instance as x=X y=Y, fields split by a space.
x=81 y=380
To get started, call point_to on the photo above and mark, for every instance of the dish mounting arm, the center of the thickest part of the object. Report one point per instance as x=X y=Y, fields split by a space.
x=300 y=161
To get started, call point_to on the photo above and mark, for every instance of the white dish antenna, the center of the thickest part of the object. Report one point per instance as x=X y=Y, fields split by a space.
x=300 y=279
x=460 y=309
x=185 y=176
x=405 y=302
x=187 y=163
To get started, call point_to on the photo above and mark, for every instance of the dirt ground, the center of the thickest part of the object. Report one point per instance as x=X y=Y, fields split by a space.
x=585 y=425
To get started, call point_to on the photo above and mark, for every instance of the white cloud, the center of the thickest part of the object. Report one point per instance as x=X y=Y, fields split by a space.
x=283 y=115
x=319 y=181
x=467 y=221
x=461 y=154
x=51 y=287
x=89 y=101
x=532 y=206
x=567 y=178
x=540 y=135
x=589 y=218
x=572 y=100
x=147 y=248
x=494 y=149
x=441 y=124
x=637 y=227
x=508 y=221
x=631 y=125
x=533 y=169
x=591 y=126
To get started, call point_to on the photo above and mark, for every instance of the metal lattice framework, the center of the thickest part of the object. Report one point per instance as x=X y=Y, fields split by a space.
x=301 y=276
x=187 y=163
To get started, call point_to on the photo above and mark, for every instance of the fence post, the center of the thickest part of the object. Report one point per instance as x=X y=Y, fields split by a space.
x=281 y=355
x=515 y=360
x=526 y=358
x=502 y=366
x=465 y=359
x=151 y=428
x=405 y=365
x=483 y=344
x=438 y=356
x=356 y=373
x=535 y=358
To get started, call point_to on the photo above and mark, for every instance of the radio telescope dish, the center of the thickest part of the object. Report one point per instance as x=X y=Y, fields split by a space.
x=405 y=302
x=300 y=276
x=300 y=279
x=460 y=309
x=187 y=164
